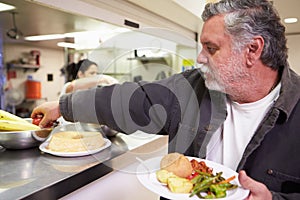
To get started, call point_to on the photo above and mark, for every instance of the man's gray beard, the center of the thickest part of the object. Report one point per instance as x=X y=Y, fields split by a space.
x=211 y=84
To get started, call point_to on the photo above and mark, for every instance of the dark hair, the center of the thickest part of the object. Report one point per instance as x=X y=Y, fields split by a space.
x=84 y=65
x=247 y=18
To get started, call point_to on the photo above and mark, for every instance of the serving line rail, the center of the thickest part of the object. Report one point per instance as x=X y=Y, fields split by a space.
x=32 y=174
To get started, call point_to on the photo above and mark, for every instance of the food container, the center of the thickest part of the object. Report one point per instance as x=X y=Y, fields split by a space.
x=80 y=126
x=23 y=139
x=29 y=139
x=33 y=89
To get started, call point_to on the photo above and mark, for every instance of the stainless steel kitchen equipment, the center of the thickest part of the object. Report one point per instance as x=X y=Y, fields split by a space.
x=23 y=139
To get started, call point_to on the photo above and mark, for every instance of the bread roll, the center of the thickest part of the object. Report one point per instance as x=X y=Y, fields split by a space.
x=177 y=163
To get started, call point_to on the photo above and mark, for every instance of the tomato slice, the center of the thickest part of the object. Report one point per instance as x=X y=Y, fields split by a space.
x=36 y=121
x=193 y=175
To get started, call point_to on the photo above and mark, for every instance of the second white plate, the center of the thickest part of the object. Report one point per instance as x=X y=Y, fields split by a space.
x=43 y=147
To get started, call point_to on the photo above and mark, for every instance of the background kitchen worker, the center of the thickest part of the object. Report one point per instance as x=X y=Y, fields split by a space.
x=87 y=77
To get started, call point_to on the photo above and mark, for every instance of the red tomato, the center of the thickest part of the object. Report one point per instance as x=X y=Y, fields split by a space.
x=49 y=125
x=36 y=121
x=193 y=175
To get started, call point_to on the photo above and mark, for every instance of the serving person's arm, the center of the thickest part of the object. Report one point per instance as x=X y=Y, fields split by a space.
x=90 y=82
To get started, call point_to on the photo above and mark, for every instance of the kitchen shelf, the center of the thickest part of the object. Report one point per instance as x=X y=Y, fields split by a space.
x=25 y=67
x=146 y=60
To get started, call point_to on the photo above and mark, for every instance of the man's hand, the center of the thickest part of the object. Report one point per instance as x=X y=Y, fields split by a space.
x=258 y=191
x=49 y=112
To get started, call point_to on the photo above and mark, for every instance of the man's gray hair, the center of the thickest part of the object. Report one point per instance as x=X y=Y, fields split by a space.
x=245 y=19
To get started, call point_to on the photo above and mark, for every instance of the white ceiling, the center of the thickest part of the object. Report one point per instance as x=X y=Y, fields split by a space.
x=33 y=19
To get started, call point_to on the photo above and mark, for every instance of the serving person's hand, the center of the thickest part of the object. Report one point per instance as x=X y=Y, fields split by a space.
x=258 y=191
x=49 y=112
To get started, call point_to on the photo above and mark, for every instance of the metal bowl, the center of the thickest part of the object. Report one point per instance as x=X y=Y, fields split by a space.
x=23 y=139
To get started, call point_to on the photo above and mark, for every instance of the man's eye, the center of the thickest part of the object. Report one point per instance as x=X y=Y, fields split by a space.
x=211 y=50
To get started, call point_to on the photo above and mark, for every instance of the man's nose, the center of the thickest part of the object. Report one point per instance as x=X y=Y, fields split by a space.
x=201 y=59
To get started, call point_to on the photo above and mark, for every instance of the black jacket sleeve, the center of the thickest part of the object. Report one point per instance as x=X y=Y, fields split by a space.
x=125 y=107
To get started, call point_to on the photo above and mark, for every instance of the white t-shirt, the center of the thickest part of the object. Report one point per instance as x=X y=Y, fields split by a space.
x=227 y=145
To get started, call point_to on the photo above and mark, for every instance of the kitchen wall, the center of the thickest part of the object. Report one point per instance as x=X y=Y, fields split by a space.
x=51 y=61
x=155 y=57
x=293 y=43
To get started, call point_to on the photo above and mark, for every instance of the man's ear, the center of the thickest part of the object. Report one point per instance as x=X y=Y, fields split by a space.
x=254 y=50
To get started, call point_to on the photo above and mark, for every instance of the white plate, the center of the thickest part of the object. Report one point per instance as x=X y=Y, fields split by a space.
x=148 y=178
x=43 y=147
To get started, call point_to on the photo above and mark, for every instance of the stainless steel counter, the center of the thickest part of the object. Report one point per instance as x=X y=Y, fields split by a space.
x=32 y=174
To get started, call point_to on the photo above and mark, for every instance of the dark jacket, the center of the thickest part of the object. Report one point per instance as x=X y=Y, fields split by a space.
x=182 y=107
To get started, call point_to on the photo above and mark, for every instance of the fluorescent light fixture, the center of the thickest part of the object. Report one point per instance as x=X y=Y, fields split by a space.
x=67 y=45
x=45 y=37
x=82 y=40
x=86 y=34
x=290 y=20
x=53 y=36
x=5 y=7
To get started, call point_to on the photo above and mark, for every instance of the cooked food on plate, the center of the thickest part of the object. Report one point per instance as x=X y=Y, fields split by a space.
x=192 y=177
x=177 y=163
x=73 y=141
x=180 y=185
x=175 y=183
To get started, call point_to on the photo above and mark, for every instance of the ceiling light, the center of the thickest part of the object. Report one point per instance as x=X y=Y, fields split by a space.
x=290 y=20
x=52 y=36
x=5 y=7
x=67 y=45
x=106 y=34
x=45 y=37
